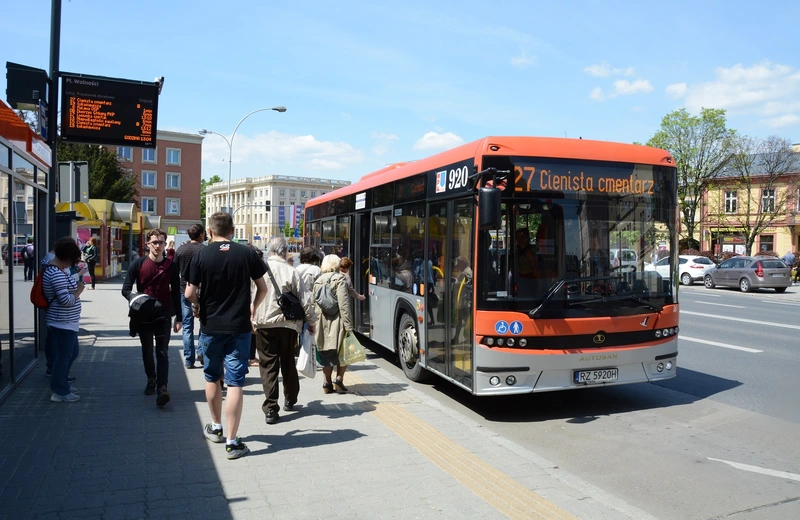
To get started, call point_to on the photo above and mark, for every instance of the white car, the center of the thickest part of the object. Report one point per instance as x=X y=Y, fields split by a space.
x=692 y=268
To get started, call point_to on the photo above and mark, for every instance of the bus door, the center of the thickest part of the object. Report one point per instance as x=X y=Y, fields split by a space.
x=360 y=271
x=450 y=251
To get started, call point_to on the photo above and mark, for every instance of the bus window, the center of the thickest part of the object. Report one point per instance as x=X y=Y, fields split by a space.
x=408 y=234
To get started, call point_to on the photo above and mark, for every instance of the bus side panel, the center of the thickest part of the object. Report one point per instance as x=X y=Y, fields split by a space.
x=381 y=306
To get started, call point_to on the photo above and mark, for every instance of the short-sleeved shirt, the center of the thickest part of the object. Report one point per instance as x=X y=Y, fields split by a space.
x=184 y=255
x=223 y=271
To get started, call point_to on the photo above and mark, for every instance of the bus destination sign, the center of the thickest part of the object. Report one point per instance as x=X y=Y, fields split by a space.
x=108 y=111
x=621 y=180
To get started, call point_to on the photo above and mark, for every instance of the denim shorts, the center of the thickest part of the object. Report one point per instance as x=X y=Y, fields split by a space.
x=229 y=350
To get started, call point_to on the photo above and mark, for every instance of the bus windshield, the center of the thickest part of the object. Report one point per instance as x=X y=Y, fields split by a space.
x=578 y=239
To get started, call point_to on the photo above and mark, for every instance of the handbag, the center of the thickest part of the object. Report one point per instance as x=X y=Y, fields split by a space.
x=305 y=361
x=290 y=304
x=351 y=351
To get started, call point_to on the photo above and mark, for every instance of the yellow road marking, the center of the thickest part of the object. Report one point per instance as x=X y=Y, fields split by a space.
x=495 y=487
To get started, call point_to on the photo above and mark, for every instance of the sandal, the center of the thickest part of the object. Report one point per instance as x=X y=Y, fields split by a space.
x=338 y=385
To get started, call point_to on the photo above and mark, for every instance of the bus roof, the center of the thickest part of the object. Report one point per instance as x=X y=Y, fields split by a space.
x=550 y=147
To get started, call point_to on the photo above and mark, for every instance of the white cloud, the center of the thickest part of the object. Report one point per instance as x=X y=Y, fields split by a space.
x=623 y=87
x=604 y=70
x=436 y=141
x=273 y=152
x=382 y=142
x=523 y=60
x=676 y=90
x=597 y=94
x=766 y=89
x=781 y=121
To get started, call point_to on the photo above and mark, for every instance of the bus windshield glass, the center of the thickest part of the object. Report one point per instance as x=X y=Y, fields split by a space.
x=578 y=239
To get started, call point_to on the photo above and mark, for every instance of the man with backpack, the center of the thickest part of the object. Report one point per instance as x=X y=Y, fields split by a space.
x=27 y=258
x=158 y=277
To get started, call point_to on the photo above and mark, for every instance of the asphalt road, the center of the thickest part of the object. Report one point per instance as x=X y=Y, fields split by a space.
x=718 y=441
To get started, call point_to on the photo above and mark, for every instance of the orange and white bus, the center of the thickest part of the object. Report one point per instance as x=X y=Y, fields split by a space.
x=490 y=264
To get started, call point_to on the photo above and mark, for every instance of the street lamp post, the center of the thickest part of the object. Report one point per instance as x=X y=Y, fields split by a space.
x=203 y=131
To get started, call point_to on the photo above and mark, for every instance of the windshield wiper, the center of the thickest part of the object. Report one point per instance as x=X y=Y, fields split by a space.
x=621 y=297
x=561 y=283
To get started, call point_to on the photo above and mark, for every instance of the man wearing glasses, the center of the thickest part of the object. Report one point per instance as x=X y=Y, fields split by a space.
x=157 y=276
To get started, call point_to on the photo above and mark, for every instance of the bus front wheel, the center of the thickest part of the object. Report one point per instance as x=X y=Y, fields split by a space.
x=408 y=349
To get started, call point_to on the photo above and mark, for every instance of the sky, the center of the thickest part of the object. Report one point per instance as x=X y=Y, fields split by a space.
x=372 y=83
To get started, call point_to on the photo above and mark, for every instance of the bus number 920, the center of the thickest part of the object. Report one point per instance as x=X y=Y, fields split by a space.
x=457 y=178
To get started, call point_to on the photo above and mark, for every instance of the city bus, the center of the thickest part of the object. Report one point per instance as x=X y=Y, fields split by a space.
x=489 y=264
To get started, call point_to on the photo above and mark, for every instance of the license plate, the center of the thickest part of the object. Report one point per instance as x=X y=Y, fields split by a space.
x=589 y=377
x=777 y=275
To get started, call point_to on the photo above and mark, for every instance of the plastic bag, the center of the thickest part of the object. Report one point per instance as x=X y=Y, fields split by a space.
x=351 y=350
x=305 y=360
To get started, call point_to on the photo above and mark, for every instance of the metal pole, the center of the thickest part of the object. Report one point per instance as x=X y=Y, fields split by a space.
x=52 y=116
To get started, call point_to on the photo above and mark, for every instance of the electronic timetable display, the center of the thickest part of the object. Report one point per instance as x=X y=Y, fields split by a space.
x=114 y=112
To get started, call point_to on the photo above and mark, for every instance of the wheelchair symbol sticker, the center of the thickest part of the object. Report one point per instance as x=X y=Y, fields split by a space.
x=516 y=327
x=501 y=327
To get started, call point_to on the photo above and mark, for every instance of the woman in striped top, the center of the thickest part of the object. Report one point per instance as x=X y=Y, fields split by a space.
x=63 y=316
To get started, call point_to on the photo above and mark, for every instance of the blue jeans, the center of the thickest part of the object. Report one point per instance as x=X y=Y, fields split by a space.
x=65 y=349
x=188 y=332
x=230 y=350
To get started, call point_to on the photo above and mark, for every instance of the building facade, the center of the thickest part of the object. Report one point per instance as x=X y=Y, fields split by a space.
x=169 y=178
x=767 y=205
x=249 y=196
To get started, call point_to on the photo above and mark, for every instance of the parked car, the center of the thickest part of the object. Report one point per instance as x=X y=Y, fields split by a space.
x=17 y=254
x=691 y=268
x=749 y=273
x=620 y=257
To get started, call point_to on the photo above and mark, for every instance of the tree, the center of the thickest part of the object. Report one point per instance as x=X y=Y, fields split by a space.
x=107 y=179
x=758 y=170
x=288 y=232
x=700 y=146
x=203 y=185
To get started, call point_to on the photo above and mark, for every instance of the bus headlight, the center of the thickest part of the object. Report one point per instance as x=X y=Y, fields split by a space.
x=490 y=341
x=500 y=342
x=658 y=334
x=510 y=342
x=511 y=380
x=523 y=342
x=660 y=367
x=669 y=365
x=494 y=380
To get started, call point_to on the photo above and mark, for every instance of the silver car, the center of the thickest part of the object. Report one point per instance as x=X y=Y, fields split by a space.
x=747 y=273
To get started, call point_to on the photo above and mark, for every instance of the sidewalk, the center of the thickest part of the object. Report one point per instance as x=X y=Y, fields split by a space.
x=382 y=451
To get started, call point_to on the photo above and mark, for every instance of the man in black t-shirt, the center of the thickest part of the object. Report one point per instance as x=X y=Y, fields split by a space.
x=218 y=286
x=197 y=234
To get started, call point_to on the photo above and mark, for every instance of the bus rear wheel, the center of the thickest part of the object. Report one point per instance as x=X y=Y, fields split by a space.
x=408 y=349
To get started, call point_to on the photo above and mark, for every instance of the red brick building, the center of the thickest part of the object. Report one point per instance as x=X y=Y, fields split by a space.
x=169 y=178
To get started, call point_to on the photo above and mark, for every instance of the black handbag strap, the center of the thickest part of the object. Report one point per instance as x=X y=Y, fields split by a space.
x=274 y=283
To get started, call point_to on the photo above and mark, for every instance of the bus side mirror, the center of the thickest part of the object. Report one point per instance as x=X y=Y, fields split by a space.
x=489 y=213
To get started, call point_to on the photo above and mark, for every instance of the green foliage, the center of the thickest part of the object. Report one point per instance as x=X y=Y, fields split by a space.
x=107 y=178
x=203 y=184
x=288 y=231
x=700 y=146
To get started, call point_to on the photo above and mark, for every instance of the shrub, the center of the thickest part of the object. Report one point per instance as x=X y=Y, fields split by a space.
x=728 y=254
x=693 y=252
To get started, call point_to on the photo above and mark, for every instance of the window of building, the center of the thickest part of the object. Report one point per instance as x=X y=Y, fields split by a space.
x=125 y=153
x=313 y=194
x=173 y=206
x=149 y=155
x=768 y=200
x=148 y=204
x=266 y=193
x=30 y=200
x=149 y=179
x=731 y=200
x=173 y=181
x=293 y=193
x=766 y=243
x=282 y=192
x=20 y=186
x=302 y=194
x=174 y=156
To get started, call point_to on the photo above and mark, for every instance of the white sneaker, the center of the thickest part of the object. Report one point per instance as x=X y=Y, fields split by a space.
x=69 y=398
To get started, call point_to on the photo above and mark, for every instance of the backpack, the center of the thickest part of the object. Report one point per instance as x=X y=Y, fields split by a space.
x=326 y=299
x=38 y=299
x=27 y=252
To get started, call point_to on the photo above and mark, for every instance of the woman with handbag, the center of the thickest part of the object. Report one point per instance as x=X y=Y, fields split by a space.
x=332 y=327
